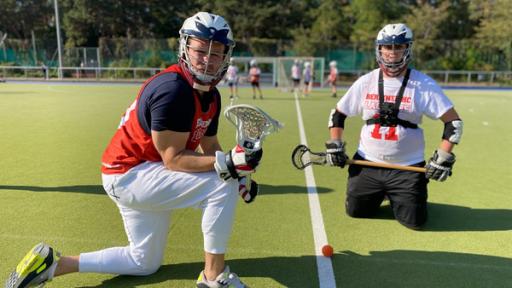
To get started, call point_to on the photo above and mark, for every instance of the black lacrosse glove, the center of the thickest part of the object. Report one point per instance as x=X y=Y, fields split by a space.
x=439 y=167
x=335 y=153
x=236 y=163
x=250 y=195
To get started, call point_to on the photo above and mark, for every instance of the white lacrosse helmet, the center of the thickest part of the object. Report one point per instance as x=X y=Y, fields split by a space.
x=253 y=62
x=213 y=28
x=307 y=64
x=333 y=63
x=394 y=34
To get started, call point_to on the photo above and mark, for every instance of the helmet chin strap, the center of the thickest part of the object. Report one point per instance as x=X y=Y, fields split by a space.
x=390 y=73
x=201 y=87
x=191 y=79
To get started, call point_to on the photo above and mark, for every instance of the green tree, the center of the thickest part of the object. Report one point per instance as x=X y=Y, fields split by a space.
x=85 y=21
x=330 y=29
x=494 y=31
x=425 y=22
x=19 y=18
x=266 y=20
x=369 y=16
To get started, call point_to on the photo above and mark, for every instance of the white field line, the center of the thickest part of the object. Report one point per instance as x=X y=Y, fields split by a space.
x=324 y=264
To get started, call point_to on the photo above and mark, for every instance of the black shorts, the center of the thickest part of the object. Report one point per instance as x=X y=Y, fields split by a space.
x=406 y=190
x=296 y=82
x=255 y=84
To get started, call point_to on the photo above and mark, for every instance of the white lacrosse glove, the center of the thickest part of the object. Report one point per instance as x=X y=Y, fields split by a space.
x=440 y=166
x=236 y=163
x=248 y=196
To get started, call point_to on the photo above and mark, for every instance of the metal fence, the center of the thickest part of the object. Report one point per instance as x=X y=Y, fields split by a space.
x=479 y=78
x=76 y=73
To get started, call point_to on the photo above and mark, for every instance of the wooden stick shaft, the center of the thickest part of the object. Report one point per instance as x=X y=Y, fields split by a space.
x=385 y=165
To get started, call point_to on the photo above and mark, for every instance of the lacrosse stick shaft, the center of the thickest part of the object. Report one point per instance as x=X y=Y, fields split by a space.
x=385 y=165
x=248 y=182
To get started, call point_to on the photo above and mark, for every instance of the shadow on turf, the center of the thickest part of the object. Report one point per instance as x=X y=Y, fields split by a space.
x=88 y=189
x=444 y=217
x=395 y=268
x=98 y=189
x=413 y=268
x=288 y=271
x=288 y=189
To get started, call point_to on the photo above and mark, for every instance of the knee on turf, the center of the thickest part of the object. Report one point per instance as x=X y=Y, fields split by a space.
x=145 y=265
x=144 y=270
x=412 y=216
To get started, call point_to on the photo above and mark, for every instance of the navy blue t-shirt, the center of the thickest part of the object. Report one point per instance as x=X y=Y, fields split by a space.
x=167 y=103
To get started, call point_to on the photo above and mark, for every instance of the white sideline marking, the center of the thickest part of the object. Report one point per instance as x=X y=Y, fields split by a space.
x=324 y=264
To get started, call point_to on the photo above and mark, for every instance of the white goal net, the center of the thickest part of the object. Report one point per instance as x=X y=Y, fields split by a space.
x=276 y=71
x=285 y=65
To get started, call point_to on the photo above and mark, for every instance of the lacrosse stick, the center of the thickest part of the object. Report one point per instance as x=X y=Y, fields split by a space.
x=302 y=157
x=252 y=126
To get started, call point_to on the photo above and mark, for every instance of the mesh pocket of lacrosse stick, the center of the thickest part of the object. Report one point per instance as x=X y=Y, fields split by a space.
x=302 y=157
x=252 y=125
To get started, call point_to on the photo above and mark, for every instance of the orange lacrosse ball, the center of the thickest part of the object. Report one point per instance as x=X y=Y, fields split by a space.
x=327 y=250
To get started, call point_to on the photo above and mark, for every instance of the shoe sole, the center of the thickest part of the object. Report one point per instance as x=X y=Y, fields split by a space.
x=32 y=262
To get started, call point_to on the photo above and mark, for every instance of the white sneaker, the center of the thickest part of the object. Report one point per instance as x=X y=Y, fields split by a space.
x=35 y=268
x=225 y=279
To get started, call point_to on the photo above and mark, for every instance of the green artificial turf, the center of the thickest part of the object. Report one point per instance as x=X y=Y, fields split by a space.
x=50 y=149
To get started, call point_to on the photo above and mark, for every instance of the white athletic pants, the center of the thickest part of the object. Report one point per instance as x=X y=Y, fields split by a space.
x=145 y=195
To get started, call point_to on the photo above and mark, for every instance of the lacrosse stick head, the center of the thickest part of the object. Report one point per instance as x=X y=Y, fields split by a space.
x=252 y=125
x=302 y=157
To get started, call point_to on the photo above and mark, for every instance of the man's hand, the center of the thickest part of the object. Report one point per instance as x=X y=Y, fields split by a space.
x=248 y=196
x=335 y=153
x=236 y=163
x=439 y=167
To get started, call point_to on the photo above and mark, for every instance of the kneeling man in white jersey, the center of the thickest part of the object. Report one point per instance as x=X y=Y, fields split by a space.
x=392 y=101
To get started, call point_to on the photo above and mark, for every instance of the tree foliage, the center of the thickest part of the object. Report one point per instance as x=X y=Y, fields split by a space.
x=453 y=34
x=326 y=27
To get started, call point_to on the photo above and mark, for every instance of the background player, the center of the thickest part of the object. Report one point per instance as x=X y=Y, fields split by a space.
x=333 y=76
x=392 y=101
x=254 y=78
x=308 y=78
x=295 y=75
x=232 y=79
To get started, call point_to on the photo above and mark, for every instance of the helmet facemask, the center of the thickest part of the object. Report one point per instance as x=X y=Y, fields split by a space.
x=398 y=39
x=394 y=68
x=213 y=64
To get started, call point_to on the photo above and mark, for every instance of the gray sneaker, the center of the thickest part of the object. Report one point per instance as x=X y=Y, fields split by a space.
x=225 y=279
x=35 y=268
